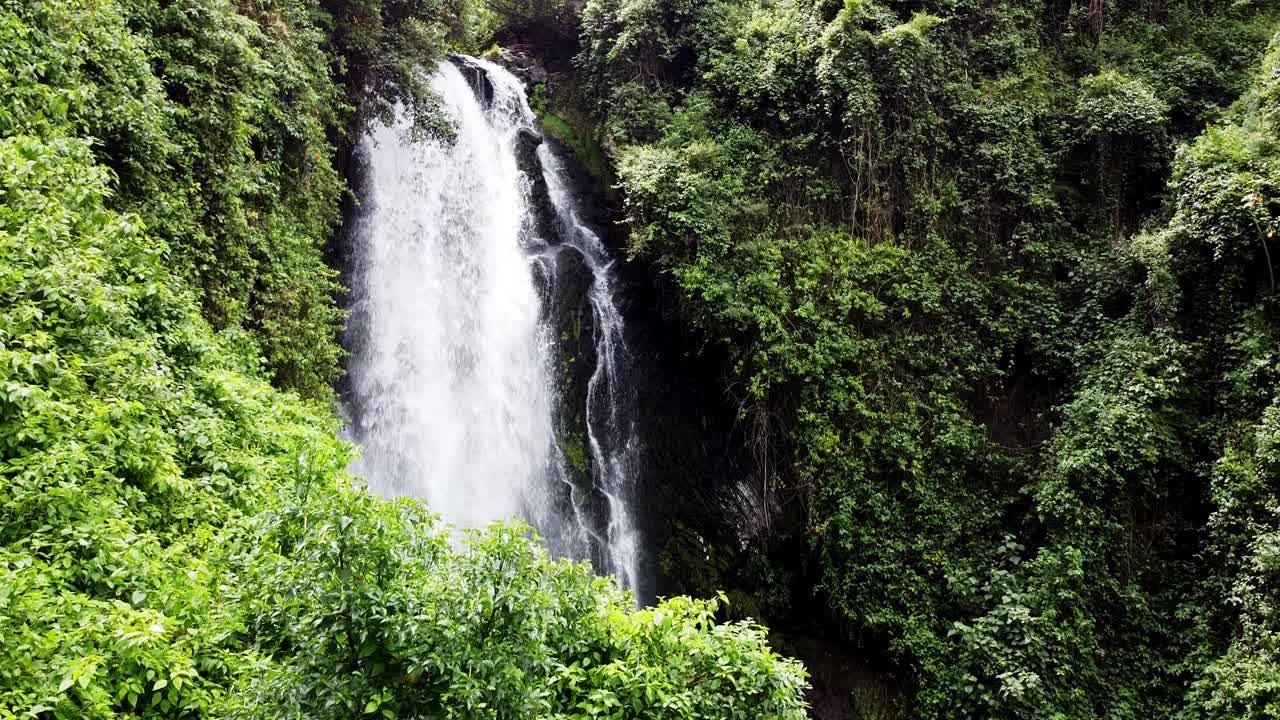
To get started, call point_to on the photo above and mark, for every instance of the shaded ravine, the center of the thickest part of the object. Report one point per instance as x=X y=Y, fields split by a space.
x=472 y=279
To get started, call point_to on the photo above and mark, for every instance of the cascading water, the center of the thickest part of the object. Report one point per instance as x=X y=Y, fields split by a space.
x=453 y=374
x=610 y=402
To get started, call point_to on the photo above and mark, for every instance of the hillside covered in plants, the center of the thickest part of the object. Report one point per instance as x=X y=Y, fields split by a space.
x=992 y=286
x=179 y=537
x=986 y=289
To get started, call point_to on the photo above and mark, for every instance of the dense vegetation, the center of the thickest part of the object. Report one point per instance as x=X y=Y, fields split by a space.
x=994 y=284
x=179 y=538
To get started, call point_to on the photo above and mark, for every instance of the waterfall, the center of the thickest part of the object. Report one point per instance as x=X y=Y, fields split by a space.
x=610 y=401
x=455 y=388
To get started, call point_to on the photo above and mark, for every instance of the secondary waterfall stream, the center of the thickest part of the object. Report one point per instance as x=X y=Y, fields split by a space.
x=463 y=251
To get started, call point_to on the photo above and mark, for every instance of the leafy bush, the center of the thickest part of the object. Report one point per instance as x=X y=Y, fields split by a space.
x=1113 y=105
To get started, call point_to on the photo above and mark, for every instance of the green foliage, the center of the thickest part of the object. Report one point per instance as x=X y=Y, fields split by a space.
x=1241 y=681
x=1238 y=163
x=556 y=15
x=495 y=630
x=177 y=537
x=216 y=126
x=1228 y=185
x=989 y=353
x=575 y=451
x=129 y=440
x=562 y=121
x=1113 y=105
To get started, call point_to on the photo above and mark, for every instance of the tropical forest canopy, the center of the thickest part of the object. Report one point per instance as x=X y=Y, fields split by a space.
x=991 y=287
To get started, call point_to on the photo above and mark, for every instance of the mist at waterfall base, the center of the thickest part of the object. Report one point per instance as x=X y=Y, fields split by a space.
x=456 y=386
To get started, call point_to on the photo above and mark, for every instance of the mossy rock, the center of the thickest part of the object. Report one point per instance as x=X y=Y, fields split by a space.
x=567 y=124
x=574 y=447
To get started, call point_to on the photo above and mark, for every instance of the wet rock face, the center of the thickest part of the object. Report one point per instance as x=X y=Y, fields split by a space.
x=565 y=282
x=523 y=65
x=479 y=80
x=544 y=225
